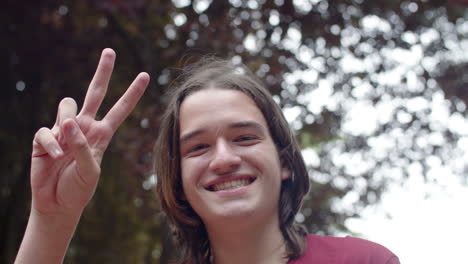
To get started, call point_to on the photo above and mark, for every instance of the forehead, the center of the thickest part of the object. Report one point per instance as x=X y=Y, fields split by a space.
x=215 y=108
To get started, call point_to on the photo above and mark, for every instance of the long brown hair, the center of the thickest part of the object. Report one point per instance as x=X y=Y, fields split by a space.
x=188 y=228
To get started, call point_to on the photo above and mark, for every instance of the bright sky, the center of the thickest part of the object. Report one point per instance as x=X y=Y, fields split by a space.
x=422 y=218
x=419 y=228
x=421 y=221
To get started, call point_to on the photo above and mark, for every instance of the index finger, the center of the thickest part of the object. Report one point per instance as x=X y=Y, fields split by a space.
x=98 y=86
x=127 y=102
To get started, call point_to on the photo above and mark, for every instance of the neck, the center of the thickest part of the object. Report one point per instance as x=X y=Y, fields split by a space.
x=254 y=243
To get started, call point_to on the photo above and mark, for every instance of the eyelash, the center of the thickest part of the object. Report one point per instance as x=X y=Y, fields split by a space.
x=197 y=148
x=245 y=138
x=241 y=139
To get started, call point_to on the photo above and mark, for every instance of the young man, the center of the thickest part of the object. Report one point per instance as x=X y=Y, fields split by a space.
x=230 y=174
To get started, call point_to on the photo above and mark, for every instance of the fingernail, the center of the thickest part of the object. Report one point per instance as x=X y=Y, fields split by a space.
x=57 y=152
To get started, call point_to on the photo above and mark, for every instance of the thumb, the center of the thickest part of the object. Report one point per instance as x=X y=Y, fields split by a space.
x=87 y=167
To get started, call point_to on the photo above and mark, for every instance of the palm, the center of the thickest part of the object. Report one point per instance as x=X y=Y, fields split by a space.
x=65 y=183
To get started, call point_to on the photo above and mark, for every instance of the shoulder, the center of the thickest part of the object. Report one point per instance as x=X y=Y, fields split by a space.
x=328 y=249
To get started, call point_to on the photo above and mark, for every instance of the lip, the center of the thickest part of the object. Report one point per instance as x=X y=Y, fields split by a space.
x=234 y=192
x=210 y=185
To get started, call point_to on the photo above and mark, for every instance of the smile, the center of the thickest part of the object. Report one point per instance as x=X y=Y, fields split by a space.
x=231 y=184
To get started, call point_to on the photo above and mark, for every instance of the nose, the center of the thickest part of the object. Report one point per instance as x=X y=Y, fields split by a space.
x=225 y=159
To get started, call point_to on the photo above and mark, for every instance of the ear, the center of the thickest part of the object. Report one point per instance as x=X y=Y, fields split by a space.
x=285 y=173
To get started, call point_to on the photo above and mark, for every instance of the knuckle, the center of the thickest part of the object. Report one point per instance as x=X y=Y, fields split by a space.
x=43 y=136
x=40 y=132
x=80 y=143
x=105 y=128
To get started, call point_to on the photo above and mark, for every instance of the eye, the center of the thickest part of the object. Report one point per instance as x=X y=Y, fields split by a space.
x=198 y=147
x=246 y=139
x=194 y=150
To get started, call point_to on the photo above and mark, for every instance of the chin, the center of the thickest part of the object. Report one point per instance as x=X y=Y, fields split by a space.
x=236 y=213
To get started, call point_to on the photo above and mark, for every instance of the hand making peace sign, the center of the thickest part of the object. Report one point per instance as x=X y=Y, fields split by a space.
x=66 y=159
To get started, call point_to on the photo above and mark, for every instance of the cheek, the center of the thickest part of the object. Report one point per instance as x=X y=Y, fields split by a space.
x=191 y=174
x=265 y=158
x=192 y=170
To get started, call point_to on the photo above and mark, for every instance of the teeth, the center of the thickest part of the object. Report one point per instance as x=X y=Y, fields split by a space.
x=231 y=185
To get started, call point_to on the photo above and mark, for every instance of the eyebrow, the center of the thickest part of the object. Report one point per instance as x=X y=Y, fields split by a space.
x=242 y=124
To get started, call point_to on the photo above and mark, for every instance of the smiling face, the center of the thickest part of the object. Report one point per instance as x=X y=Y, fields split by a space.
x=230 y=165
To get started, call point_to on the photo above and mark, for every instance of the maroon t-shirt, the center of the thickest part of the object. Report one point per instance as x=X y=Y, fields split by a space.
x=344 y=250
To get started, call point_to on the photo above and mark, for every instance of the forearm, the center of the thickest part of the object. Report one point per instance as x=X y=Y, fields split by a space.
x=46 y=238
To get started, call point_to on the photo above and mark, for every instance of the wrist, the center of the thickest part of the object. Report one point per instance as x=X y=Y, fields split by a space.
x=59 y=220
x=47 y=237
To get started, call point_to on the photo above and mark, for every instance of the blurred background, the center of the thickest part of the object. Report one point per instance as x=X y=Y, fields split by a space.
x=375 y=89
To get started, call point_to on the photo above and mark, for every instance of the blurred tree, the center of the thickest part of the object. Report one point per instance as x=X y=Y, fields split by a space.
x=393 y=63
